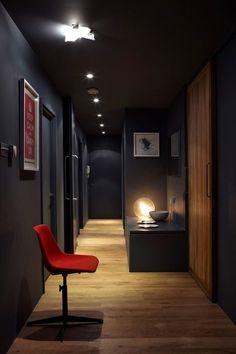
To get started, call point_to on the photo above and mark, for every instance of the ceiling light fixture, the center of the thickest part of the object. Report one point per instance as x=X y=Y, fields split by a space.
x=94 y=91
x=103 y=132
x=90 y=76
x=96 y=100
x=101 y=125
x=99 y=115
x=74 y=32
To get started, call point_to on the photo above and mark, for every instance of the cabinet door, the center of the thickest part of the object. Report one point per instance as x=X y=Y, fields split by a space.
x=199 y=140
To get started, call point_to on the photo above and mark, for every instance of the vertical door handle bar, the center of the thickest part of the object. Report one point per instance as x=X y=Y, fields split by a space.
x=66 y=186
x=75 y=169
x=208 y=179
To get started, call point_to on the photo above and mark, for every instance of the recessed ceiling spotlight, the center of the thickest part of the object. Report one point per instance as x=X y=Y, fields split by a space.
x=101 y=125
x=96 y=100
x=74 y=32
x=90 y=76
x=103 y=132
x=99 y=115
x=94 y=91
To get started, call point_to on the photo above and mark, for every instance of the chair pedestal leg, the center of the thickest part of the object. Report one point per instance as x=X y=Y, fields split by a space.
x=65 y=319
x=63 y=289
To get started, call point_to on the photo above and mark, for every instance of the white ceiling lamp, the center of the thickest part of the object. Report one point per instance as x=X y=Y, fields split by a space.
x=74 y=32
x=101 y=125
x=96 y=100
x=93 y=91
x=99 y=115
x=90 y=76
x=103 y=132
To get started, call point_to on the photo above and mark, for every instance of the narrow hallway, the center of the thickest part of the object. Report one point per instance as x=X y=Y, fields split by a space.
x=147 y=313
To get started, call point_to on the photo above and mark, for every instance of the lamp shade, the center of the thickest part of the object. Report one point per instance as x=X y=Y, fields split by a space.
x=142 y=207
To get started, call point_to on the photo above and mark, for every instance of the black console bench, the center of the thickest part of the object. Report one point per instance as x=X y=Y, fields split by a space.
x=162 y=249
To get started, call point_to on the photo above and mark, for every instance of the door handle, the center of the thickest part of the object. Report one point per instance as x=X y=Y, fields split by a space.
x=67 y=197
x=208 y=179
x=75 y=172
x=74 y=169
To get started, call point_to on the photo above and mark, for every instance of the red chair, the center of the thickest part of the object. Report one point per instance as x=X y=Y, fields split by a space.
x=58 y=262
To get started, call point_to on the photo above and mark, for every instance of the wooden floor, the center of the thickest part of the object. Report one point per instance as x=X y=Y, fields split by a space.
x=159 y=313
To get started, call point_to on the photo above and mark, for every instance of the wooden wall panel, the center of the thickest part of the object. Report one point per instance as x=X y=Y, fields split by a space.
x=199 y=138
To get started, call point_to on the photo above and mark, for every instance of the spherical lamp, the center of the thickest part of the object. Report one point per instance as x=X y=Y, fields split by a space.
x=142 y=207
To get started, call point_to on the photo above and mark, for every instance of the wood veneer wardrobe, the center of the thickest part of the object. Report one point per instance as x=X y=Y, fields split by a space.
x=199 y=150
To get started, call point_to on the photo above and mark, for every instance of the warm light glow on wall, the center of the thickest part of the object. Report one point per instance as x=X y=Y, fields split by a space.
x=142 y=207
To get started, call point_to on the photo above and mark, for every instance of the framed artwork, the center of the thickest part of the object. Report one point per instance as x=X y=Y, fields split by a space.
x=29 y=122
x=146 y=145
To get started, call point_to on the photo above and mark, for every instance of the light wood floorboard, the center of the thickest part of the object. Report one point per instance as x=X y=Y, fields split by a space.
x=144 y=313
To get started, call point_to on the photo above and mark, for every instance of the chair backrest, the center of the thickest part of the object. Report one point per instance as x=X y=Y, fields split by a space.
x=48 y=245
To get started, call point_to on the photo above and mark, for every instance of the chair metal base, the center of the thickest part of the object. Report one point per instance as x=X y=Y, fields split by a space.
x=65 y=320
x=64 y=323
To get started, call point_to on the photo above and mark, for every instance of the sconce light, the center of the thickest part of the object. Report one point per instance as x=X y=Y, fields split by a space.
x=8 y=151
x=142 y=207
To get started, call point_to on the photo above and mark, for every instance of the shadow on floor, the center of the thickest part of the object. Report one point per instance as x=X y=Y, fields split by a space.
x=80 y=332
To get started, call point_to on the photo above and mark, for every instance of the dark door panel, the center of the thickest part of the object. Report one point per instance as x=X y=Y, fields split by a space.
x=71 y=166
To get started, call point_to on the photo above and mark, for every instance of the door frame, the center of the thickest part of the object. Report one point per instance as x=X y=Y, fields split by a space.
x=70 y=153
x=46 y=112
x=82 y=182
x=50 y=115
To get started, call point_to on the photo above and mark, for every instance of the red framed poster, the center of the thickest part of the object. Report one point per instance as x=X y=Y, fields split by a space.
x=29 y=127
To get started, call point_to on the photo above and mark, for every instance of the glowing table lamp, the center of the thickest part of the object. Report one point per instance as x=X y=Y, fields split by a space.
x=142 y=207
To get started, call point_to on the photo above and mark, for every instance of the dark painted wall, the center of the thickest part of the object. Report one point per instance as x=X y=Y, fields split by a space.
x=144 y=176
x=226 y=167
x=176 y=178
x=20 y=206
x=105 y=177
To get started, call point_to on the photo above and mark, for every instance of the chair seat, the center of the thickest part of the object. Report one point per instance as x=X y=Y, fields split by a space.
x=57 y=261
x=73 y=263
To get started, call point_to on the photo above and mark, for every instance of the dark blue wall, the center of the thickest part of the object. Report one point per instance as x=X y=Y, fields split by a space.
x=20 y=204
x=226 y=167
x=144 y=176
x=176 y=179
x=105 y=177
